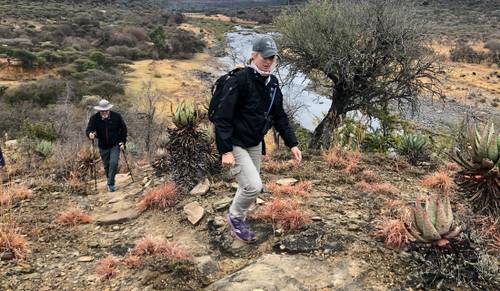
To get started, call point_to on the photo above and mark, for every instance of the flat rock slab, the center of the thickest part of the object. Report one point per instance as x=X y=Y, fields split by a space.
x=287 y=182
x=118 y=217
x=202 y=188
x=194 y=212
x=280 y=272
x=85 y=259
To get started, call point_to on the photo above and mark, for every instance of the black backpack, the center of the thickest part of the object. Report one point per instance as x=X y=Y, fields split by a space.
x=217 y=92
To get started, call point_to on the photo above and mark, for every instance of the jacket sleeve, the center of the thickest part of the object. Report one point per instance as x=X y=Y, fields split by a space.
x=2 y=160
x=223 y=119
x=281 y=122
x=123 y=130
x=91 y=126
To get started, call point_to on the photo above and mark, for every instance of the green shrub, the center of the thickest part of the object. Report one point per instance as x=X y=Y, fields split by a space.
x=42 y=92
x=126 y=52
x=44 y=149
x=50 y=57
x=106 y=89
x=38 y=130
x=27 y=59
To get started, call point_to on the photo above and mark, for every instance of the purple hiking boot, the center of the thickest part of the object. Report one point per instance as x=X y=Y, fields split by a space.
x=240 y=229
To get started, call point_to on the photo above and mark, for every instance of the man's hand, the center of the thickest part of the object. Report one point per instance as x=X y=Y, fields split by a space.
x=228 y=159
x=297 y=155
x=92 y=135
x=122 y=146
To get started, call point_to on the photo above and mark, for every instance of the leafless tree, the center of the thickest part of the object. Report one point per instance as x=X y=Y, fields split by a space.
x=149 y=100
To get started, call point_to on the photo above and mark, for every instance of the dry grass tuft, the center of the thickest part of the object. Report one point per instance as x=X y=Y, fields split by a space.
x=159 y=247
x=369 y=176
x=107 y=267
x=301 y=189
x=377 y=188
x=341 y=159
x=393 y=231
x=284 y=213
x=439 y=180
x=5 y=199
x=132 y=261
x=20 y=192
x=14 y=192
x=160 y=197
x=12 y=241
x=73 y=216
x=275 y=167
x=489 y=230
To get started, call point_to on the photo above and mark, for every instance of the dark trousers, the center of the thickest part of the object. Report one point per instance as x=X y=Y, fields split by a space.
x=110 y=159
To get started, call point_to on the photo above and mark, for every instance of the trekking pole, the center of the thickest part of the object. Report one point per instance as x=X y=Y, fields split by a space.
x=94 y=171
x=128 y=167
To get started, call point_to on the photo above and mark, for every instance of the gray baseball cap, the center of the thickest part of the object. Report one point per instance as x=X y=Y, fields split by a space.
x=265 y=46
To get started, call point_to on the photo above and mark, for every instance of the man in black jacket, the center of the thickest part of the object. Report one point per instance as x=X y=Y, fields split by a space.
x=250 y=104
x=110 y=129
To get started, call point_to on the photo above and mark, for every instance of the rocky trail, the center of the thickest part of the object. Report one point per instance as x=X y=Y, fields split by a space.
x=336 y=251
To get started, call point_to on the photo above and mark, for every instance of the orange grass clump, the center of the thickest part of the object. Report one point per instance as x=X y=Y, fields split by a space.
x=275 y=167
x=159 y=247
x=160 y=197
x=393 y=231
x=341 y=159
x=107 y=267
x=12 y=241
x=73 y=216
x=301 y=189
x=285 y=213
x=369 y=176
x=20 y=192
x=378 y=188
x=439 y=180
x=132 y=261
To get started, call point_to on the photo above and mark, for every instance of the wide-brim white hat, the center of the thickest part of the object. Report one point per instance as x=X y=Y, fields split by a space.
x=103 y=105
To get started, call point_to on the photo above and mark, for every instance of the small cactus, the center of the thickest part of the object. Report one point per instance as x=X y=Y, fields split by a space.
x=435 y=222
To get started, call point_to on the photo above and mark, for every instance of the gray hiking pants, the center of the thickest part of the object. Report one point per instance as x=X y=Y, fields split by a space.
x=110 y=159
x=247 y=173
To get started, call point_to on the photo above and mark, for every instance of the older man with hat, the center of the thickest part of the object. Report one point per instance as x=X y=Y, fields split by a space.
x=110 y=130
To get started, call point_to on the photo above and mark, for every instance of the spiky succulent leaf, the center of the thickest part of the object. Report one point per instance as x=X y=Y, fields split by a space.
x=443 y=221
x=429 y=232
x=430 y=207
x=492 y=145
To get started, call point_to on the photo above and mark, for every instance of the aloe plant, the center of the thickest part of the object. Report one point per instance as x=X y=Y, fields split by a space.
x=481 y=168
x=413 y=146
x=435 y=222
x=185 y=116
